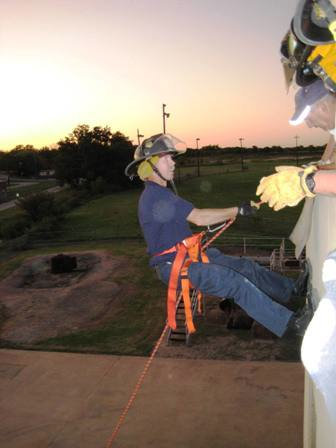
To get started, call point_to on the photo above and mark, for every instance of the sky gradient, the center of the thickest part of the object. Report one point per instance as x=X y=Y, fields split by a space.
x=214 y=63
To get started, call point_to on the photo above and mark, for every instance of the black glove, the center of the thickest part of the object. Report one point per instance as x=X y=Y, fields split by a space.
x=245 y=209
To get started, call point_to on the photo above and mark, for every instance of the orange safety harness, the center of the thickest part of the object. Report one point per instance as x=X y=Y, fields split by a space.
x=187 y=252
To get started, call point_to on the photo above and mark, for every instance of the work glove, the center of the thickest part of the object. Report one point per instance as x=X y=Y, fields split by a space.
x=246 y=209
x=287 y=187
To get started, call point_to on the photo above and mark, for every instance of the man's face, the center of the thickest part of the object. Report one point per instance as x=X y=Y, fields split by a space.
x=166 y=166
x=322 y=114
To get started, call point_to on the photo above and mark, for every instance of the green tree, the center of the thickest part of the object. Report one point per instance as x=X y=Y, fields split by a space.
x=23 y=161
x=46 y=157
x=87 y=154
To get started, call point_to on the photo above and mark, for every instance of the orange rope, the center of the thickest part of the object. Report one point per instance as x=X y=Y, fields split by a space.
x=150 y=359
x=220 y=231
x=136 y=389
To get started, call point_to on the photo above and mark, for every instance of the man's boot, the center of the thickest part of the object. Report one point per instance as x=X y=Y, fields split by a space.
x=300 y=285
x=299 y=322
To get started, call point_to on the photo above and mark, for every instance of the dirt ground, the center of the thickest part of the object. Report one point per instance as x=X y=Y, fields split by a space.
x=213 y=340
x=36 y=305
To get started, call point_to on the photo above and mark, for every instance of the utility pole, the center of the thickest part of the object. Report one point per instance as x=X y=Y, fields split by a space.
x=139 y=136
x=241 y=139
x=296 y=149
x=164 y=116
x=198 y=157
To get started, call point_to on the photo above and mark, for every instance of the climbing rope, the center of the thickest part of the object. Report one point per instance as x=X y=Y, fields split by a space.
x=136 y=388
x=155 y=349
x=220 y=229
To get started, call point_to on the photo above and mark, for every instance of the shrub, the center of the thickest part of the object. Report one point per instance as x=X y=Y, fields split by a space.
x=73 y=202
x=99 y=186
x=39 y=205
x=19 y=243
x=10 y=229
x=69 y=199
x=46 y=228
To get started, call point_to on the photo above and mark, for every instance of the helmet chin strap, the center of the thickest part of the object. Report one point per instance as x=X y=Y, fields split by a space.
x=172 y=183
x=156 y=171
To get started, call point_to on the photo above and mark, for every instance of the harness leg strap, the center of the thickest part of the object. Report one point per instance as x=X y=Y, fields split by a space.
x=187 y=303
x=188 y=251
x=173 y=285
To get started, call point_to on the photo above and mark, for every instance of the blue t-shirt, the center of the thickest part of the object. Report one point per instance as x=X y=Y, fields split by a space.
x=163 y=219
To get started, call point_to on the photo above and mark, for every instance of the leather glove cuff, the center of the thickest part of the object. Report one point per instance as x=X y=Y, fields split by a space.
x=246 y=209
x=310 y=182
x=307 y=181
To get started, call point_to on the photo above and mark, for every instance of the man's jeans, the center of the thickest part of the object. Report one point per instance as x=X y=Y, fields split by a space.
x=250 y=285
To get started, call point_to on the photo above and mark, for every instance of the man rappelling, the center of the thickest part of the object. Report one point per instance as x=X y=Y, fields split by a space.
x=177 y=256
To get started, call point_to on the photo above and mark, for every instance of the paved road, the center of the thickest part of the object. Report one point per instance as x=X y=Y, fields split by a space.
x=62 y=400
x=10 y=204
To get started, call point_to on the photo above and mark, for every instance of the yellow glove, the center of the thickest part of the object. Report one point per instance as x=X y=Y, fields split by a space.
x=285 y=188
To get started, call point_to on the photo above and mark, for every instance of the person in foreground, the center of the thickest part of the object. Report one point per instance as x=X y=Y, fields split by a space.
x=315 y=105
x=164 y=218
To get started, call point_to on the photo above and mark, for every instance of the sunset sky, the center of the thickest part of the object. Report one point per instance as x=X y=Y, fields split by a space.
x=215 y=63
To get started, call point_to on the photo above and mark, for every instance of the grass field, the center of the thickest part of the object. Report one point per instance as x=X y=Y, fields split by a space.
x=110 y=222
x=115 y=215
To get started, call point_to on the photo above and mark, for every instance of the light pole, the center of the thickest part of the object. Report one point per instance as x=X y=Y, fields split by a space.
x=241 y=139
x=164 y=116
x=296 y=149
x=139 y=136
x=198 y=157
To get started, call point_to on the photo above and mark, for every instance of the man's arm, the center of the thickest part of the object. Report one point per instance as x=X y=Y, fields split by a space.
x=325 y=182
x=210 y=216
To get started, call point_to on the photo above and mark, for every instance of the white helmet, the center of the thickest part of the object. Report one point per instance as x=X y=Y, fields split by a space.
x=315 y=22
x=155 y=145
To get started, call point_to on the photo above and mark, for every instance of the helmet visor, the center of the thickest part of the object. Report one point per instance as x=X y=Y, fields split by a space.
x=159 y=144
x=314 y=22
x=293 y=58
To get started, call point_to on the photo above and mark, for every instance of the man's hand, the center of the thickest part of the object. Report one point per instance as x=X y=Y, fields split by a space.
x=287 y=187
x=246 y=209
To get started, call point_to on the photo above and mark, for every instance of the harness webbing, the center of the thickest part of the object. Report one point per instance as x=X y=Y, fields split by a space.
x=187 y=252
x=151 y=358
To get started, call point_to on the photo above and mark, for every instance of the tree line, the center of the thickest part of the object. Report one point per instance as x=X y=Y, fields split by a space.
x=87 y=155
x=96 y=156
x=255 y=150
